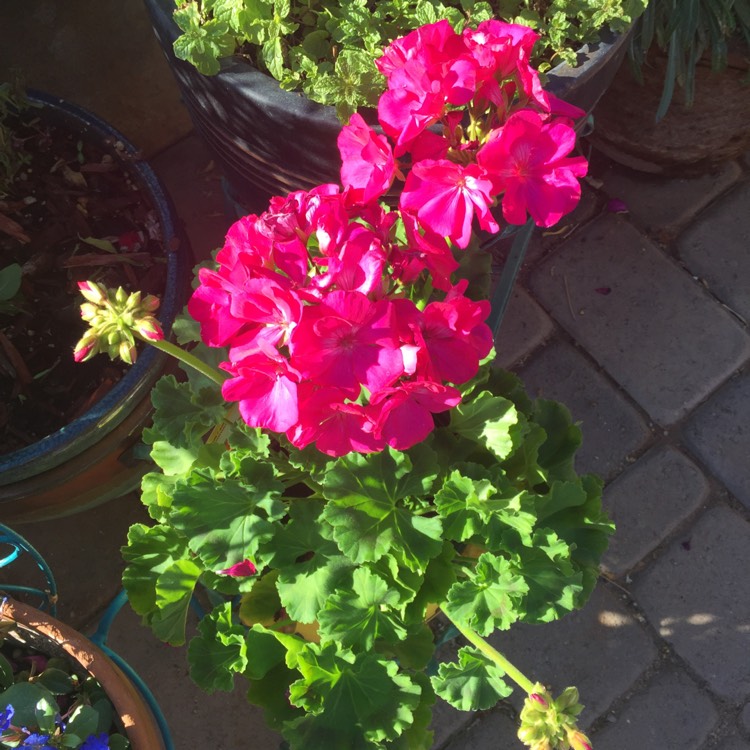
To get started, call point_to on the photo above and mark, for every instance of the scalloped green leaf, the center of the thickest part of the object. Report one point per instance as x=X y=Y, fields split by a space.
x=490 y=598
x=488 y=420
x=474 y=683
x=219 y=651
x=352 y=701
x=363 y=615
x=227 y=522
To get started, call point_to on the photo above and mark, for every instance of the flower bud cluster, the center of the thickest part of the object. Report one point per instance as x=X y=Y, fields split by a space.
x=116 y=318
x=549 y=724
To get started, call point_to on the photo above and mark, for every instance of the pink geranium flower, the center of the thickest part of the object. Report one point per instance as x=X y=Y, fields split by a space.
x=348 y=341
x=445 y=196
x=367 y=159
x=266 y=388
x=334 y=424
x=527 y=159
x=405 y=412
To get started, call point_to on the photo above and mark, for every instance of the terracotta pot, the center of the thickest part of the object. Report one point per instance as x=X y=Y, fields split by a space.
x=52 y=637
x=688 y=140
x=90 y=460
x=270 y=142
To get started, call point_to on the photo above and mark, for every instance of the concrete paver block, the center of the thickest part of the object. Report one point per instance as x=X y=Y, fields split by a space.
x=719 y=435
x=663 y=203
x=612 y=429
x=671 y=714
x=717 y=248
x=601 y=649
x=645 y=320
x=698 y=603
x=447 y=722
x=647 y=502
x=525 y=327
x=733 y=742
x=490 y=731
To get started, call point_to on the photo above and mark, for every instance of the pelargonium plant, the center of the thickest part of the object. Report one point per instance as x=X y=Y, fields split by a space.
x=341 y=460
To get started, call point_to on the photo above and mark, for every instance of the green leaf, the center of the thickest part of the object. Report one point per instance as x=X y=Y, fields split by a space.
x=83 y=722
x=10 y=281
x=488 y=420
x=56 y=681
x=305 y=587
x=563 y=438
x=219 y=651
x=351 y=701
x=6 y=673
x=226 y=522
x=26 y=698
x=364 y=615
x=173 y=459
x=374 y=483
x=475 y=683
x=262 y=602
x=159 y=578
x=490 y=598
x=413 y=540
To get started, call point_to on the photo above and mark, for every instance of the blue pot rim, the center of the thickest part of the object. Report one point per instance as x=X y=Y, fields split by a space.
x=42 y=455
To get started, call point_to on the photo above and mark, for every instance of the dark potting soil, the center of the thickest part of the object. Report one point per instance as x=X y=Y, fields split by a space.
x=73 y=212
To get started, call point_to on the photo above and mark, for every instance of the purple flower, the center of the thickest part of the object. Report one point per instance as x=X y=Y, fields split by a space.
x=5 y=717
x=96 y=742
x=37 y=741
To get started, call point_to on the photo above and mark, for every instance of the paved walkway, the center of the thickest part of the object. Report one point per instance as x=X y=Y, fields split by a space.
x=638 y=321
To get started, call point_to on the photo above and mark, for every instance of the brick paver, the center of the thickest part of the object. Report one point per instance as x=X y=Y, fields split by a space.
x=612 y=429
x=525 y=327
x=699 y=603
x=600 y=649
x=717 y=248
x=489 y=732
x=719 y=435
x=666 y=204
x=672 y=713
x=648 y=501
x=645 y=320
x=733 y=742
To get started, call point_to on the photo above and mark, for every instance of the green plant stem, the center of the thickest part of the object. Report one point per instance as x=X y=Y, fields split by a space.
x=491 y=653
x=178 y=353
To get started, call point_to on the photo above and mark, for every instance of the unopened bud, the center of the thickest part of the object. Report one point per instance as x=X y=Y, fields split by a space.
x=150 y=303
x=86 y=348
x=128 y=353
x=149 y=328
x=578 y=740
x=93 y=292
x=539 y=699
x=121 y=296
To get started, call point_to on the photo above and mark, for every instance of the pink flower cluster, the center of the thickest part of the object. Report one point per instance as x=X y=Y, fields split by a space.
x=472 y=115
x=325 y=301
x=324 y=342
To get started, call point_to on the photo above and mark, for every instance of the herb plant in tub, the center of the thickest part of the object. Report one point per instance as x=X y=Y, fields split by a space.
x=355 y=460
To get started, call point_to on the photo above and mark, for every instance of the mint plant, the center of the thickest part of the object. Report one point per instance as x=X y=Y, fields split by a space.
x=327 y=49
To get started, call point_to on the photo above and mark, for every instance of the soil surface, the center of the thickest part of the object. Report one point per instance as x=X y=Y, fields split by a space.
x=74 y=211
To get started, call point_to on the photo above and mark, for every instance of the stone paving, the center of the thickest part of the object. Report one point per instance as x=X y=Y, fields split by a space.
x=638 y=321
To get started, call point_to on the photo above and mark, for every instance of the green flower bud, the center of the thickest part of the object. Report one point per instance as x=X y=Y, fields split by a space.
x=115 y=319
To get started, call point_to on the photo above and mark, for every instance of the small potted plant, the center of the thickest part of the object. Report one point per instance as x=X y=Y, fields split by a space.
x=76 y=201
x=274 y=81
x=356 y=463
x=59 y=690
x=682 y=105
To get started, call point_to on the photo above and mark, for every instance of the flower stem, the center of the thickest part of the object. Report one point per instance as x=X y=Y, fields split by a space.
x=491 y=653
x=178 y=353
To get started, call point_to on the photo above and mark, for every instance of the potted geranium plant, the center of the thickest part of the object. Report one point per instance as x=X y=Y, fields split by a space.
x=355 y=463
x=275 y=79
